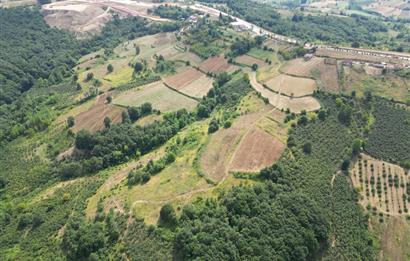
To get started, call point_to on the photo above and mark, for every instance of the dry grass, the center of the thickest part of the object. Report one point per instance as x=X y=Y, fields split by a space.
x=249 y=61
x=281 y=102
x=292 y=86
x=325 y=74
x=161 y=98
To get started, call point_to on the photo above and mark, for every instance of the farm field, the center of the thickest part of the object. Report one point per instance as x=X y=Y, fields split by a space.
x=180 y=80
x=295 y=105
x=292 y=86
x=325 y=74
x=382 y=185
x=249 y=61
x=198 y=88
x=216 y=156
x=160 y=96
x=215 y=64
x=256 y=151
x=93 y=118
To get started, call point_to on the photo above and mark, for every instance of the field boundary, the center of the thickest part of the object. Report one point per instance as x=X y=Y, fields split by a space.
x=175 y=90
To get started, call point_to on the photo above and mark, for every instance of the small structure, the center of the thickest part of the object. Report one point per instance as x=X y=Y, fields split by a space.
x=308 y=56
x=241 y=27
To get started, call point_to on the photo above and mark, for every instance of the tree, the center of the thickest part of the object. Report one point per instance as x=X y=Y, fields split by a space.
x=84 y=140
x=307 y=148
x=356 y=146
x=70 y=121
x=110 y=68
x=125 y=117
x=89 y=77
x=213 y=126
x=167 y=216
x=109 y=99
x=254 y=67
x=137 y=50
x=138 y=67
x=345 y=165
x=107 y=122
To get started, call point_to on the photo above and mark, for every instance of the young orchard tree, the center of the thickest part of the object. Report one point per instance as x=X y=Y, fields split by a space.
x=70 y=121
x=110 y=68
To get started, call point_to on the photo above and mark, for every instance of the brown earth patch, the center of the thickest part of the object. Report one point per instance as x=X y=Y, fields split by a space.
x=217 y=154
x=93 y=119
x=325 y=73
x=214 y=64
x=182 y=79
x=256 y=151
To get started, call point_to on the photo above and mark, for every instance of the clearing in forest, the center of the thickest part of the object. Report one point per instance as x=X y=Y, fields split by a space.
x=385 y=187
x=292 y=86
x=161 y=97
x=323 y=70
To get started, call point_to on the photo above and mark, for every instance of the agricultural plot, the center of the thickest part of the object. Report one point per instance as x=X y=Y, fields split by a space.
x=256 y=151
x=183 y=79
x=249 y=61
x=215 y=64
x=217 y=155
x=93 y=118
x=383 y=186
x=325 y=74
x=198 y=88
x=282 y=102
x=160 y=96
x=292 y=86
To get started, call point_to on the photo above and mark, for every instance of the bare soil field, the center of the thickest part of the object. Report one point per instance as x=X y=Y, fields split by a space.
x=93 y=119
x=160 y=96
x=325 y=74
x=292 y=86
x=256 y=151
x=214 y=64
x=249 y=61
x=217 y=155
x=279 y=101
x=381 y=185
x=183 y=79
